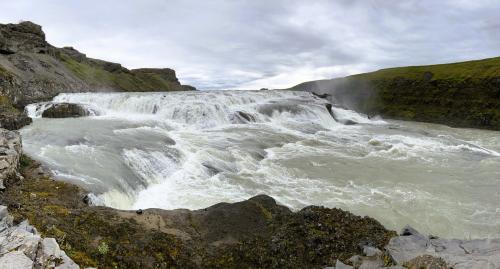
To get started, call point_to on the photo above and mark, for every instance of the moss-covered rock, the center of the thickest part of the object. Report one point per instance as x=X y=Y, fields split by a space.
x=66 y=110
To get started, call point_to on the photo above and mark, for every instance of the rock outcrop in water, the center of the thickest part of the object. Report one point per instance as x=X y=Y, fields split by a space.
x=66 y=110
x=32 y=70
x=460 y=95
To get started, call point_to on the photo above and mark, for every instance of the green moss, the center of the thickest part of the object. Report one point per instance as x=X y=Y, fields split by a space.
x=463 y=94
x=6 y=104
x=3 y=72
x=266 y=213
x=25 y=161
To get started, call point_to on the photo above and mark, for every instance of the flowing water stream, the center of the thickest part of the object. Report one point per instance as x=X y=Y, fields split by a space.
x=194 y=149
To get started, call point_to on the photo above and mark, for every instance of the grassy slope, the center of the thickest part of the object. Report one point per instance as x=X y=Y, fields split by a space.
x=126 y=81
x=465 y=94
x=480 y=69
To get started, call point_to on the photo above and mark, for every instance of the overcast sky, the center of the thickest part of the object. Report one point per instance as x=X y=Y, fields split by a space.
x=270 y=43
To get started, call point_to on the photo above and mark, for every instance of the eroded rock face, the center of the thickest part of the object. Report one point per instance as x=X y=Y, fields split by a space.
x=14 y=120
x=22 y=247
x=67 y=110
x=10 y=152
x=25 y=36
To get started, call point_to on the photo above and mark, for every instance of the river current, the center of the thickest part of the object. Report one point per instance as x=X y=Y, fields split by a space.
x=194 y=149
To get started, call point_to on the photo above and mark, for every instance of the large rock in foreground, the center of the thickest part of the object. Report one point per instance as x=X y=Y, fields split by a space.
x=22 y=247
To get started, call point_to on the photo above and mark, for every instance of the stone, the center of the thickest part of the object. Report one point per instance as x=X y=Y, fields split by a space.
x=371 y=263
x=51 y=256
x=16 y=238
x=408 y=230
x=341 y=265
x=371 y=251
x=356 y=261
x=66 y=110
x=426 y=261
x=15 y=260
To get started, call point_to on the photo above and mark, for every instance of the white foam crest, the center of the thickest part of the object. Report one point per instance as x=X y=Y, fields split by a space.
x=35 y=110
x=151 y=166
x=345 y=115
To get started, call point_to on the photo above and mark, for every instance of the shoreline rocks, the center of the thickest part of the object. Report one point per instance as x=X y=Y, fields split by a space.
x=21 y=246
x=413 y=248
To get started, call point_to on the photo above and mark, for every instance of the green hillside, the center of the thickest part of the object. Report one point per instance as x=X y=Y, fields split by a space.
x=465 y=94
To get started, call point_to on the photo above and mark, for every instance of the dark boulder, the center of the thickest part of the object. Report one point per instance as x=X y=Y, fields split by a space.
x=66 y=110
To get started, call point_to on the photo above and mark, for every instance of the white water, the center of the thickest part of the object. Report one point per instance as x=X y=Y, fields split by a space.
x=194 y=149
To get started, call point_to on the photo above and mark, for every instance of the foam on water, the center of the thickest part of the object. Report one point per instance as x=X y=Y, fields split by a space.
x=194 y=149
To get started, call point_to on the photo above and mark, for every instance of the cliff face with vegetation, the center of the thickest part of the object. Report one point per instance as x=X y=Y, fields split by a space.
x=463 y=94
x=32 y=70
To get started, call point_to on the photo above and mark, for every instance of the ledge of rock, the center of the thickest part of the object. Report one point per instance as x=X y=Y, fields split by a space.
x=67 y=110
x=22 y=247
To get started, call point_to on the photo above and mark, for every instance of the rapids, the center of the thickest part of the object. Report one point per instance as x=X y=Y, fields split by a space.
x=195 y=149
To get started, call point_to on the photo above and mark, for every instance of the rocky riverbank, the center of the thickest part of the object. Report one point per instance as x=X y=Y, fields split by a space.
x=255 y=233
x=463 y=94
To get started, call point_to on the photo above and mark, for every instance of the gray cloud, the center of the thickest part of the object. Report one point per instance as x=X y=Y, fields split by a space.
x=251 y=44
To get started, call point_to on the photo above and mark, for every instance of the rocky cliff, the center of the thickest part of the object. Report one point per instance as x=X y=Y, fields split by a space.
x=32 y=70
x=463 y=94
